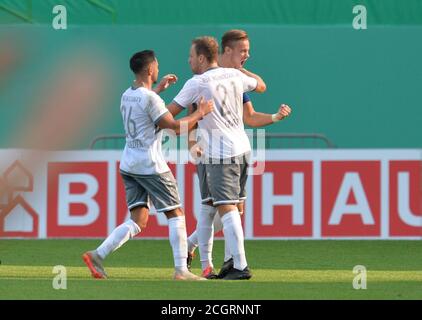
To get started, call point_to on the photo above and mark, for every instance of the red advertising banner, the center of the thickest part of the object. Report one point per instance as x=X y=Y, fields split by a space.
x=300 y=194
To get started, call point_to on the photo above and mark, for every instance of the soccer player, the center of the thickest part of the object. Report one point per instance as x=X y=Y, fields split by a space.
x=224 y=142
x=234 y=54
x=144 y=171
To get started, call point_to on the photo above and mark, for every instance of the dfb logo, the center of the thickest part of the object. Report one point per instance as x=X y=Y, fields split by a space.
x=350 y=198
x=77 y=199
x=283 y=200
x=405 y=198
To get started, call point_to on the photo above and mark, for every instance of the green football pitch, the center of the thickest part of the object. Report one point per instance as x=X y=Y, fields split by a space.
x=142 y=269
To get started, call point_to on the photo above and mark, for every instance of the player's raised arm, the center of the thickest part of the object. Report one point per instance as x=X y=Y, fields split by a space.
x=166 y=81
x=168 y=122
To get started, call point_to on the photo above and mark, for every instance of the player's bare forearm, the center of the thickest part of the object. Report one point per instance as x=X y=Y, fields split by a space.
x=186 y=124
x=191 y=136
x=157 y=90
x=174 y=108
x=261 y=86
x=258 y=119
x=180 y=126
x=251 y=74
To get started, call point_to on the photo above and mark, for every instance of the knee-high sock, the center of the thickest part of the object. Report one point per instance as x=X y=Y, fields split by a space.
x=233 y=235
x=205 y=231
x=193 y=241
x=178 y=242
x=227 y=253
x=193 y=238
x=118 y=237
x=218 y=226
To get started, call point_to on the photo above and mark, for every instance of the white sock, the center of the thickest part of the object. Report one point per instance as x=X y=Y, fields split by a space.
x=227 y=253
x=193 y=242
x=193 y=238
x=178 y=242
x=205 y=231
x=118 y=237
x=218 y=226
x=233 y=235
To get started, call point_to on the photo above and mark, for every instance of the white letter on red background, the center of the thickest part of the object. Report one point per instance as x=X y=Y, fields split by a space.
x=403 y=195
x=86 y=198
x=351 y=182
x=296 y=199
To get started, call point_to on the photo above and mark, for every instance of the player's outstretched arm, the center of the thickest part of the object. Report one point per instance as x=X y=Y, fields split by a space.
x=174 y=108
x=259 y=119
x=261 y=86
x=185 y=124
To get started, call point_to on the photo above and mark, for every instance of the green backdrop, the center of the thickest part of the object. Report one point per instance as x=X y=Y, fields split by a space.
x=361 y=88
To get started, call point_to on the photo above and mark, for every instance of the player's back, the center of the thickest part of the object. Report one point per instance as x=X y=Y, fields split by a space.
x=141 y=110
x=226 y=87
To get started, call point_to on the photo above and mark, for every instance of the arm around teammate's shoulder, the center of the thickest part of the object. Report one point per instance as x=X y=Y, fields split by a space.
x=174 y=108
x=260 y=86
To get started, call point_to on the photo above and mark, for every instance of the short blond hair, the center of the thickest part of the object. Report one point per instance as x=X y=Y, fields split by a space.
x=231 y=37
x=207 y=46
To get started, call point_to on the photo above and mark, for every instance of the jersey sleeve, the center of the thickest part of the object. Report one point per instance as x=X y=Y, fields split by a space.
x=188 y=94
x=249 y=84
x=156 y=108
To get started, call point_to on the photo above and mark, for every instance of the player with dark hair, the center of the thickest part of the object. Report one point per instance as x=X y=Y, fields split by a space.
x=144 y=171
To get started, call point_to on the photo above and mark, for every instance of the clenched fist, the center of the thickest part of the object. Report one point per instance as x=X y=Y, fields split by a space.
x=283 y=112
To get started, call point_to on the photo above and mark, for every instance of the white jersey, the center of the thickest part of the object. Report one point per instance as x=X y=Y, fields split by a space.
x=222 y=131
x=141 y=110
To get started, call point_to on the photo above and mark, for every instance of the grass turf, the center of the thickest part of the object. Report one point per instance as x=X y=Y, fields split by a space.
x=142 y=269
